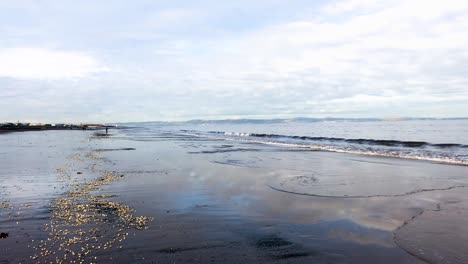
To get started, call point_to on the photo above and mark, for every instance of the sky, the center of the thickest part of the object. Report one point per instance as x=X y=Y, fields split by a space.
x=117 y=61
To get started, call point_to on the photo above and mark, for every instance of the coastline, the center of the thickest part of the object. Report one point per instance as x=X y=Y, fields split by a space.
x=27 y=127
x=217 y=206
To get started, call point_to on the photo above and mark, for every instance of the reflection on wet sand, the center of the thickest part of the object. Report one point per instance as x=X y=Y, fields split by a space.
x=241 y=205
x=228 y=190
x=439 y=234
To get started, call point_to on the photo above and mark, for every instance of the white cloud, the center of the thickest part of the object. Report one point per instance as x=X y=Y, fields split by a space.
x=340 y=7
x=410 y=47
x=37 y=63
x=353 y=57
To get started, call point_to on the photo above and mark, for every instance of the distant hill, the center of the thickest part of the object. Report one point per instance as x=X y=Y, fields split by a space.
x=297 y=119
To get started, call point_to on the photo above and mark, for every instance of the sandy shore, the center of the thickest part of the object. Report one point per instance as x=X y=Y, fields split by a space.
x=70 y=196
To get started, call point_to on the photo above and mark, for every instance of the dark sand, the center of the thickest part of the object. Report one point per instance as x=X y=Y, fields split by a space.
x=189 y=200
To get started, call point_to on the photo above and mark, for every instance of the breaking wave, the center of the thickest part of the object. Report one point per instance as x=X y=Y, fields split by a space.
x=382 y=142
x=436 y=152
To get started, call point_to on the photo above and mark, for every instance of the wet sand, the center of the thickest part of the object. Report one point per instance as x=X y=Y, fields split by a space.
x=71 y=196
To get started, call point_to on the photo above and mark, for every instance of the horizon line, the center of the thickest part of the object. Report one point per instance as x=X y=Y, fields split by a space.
x=404 y=118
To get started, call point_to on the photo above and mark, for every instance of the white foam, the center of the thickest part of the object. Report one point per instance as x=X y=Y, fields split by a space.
x=237 y=134
x=393 y=154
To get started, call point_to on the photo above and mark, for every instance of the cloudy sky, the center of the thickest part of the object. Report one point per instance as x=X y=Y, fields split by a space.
x=108 y=61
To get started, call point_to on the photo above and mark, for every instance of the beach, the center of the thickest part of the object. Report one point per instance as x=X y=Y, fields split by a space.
x=173 y=132
x=161 y=197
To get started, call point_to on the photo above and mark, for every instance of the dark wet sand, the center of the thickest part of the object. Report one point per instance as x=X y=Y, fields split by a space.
x=187 y=200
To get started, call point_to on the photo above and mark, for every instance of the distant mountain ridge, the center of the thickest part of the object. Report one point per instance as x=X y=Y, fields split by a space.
x=297 y=119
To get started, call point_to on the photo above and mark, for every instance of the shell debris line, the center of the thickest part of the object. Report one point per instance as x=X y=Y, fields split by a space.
x=5 y=204
x=84 y=222
x=6 y=208
x=5 y=211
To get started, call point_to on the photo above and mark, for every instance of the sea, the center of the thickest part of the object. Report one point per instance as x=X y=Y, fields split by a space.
x=300 y=190
x=438 y=140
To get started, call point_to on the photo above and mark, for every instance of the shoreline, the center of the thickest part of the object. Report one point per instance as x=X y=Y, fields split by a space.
x=26 y=127
x=215 y=206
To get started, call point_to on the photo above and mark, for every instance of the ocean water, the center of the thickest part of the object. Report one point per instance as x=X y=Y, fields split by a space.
x=276 y=191
x=376 y=186
x=433 y=140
